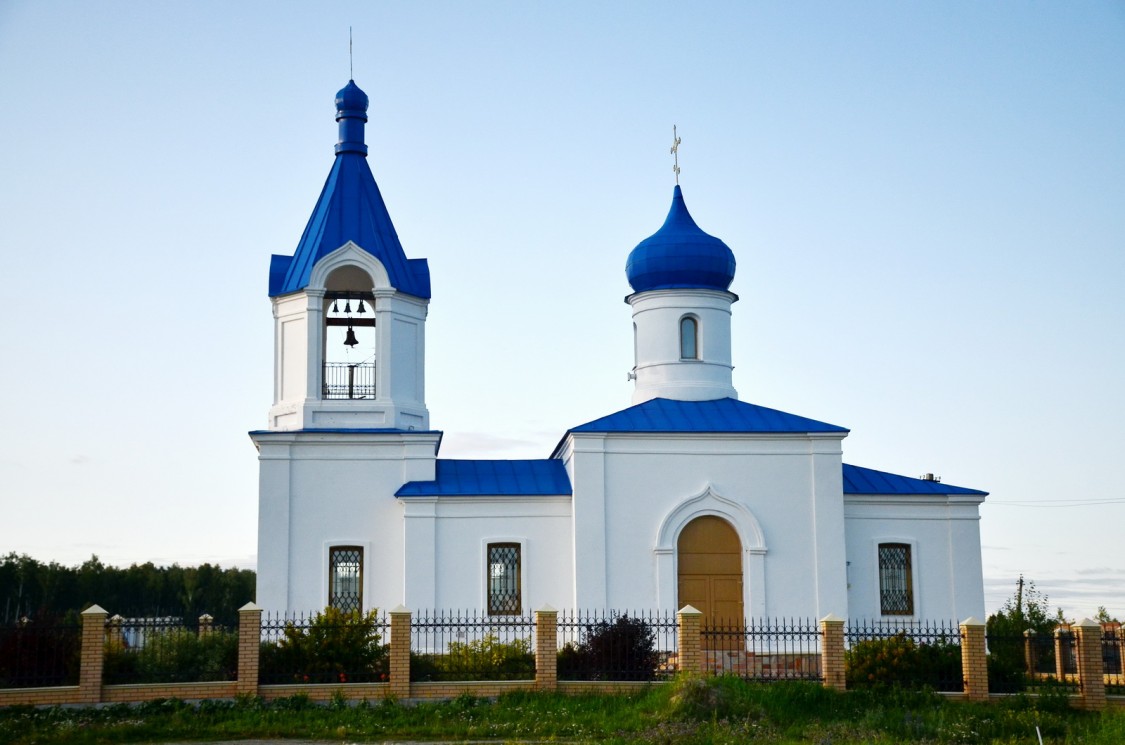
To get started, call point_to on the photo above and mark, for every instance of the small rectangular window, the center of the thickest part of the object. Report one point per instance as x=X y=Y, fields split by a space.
x=345 y=578
x=504 y=579
x=896 y=583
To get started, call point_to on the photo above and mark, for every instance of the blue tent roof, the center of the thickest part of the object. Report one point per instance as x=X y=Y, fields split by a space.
x=680 y=255
x=350 y=208
x=466 y=478
x=719 y=415
x=858 y=480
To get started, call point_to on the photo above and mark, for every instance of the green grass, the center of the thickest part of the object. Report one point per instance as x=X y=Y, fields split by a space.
x=687 y=711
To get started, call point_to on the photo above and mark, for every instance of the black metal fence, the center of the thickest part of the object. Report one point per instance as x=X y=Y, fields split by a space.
x=763 y=649
x=1008 y=660
x=617 y=645
x=1050 y=660
x=1113 y=662
x=1040 y=654
x=329 y=647
x=39 y=653
x=168 y=650
x=468 y=645
x=343 y=380
x=921 y=654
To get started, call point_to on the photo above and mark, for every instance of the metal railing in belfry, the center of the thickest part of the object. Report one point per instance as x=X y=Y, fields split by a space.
x=343 y=380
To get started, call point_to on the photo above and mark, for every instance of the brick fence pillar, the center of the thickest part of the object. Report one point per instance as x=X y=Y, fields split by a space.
x=974 y=659
x=1121 y=651
x=249 y=648
x=1029 y=654
x=400 y=652
x=91 y=661
x=1090 y=664
x=1062 y=651
x=832 y=652
x=688 y=623
x=546 y=648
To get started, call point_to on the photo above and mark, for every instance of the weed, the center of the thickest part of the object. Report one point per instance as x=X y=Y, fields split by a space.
x=689 y=711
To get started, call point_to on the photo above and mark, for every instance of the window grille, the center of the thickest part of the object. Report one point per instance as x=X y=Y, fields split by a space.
x=896 y=591
x=345 y=578
x=504 y=579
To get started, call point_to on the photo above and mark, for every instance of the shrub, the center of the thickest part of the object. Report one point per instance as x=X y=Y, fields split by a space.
x=487 y=658
x=1026 y=610
x=622 y=650
x=336 y=647
x=39 y=653
x=173 y=656
x=897 y=661
x=1006 y=665
x=696 y=697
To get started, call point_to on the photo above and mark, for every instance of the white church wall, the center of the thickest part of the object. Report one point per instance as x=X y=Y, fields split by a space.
x=944 y=538
x=778 y=480
x=450 y=571
x=340 y=491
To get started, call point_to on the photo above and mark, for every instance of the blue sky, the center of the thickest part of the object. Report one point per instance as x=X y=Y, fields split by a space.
x=926 y=202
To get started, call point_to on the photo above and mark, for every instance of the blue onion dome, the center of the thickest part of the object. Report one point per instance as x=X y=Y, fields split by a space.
x=680 y=255
x=351 y=100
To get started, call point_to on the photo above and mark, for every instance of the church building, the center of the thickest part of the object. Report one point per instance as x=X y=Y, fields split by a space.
x=689 y=496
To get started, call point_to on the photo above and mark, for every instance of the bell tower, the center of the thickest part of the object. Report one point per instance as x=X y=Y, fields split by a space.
x=349 y=307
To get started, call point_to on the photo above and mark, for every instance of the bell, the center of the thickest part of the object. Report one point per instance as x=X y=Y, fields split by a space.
x=347 y=306
x=335 y=307
x=350 y=340
x=361 y=308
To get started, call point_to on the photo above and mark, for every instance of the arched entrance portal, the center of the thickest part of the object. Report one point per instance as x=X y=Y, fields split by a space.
x=709 y=570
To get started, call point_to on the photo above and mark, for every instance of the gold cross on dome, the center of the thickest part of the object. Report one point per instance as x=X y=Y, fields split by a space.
x=675 y=151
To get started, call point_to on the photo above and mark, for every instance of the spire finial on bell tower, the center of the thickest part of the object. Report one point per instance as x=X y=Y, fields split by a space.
x=351 y=113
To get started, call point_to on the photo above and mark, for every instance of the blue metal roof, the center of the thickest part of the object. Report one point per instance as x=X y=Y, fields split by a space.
x=350 y=208
x=719 y=415
x=859 y=480
x=467 y=478
x=680 y=255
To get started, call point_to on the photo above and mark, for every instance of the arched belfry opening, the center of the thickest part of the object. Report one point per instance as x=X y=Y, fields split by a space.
x=349 y=338
x=709 y=570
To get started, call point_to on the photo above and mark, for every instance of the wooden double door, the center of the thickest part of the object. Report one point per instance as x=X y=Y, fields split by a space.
x=709 y=556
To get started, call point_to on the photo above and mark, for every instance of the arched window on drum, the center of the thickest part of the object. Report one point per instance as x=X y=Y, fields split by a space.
x=689 y=338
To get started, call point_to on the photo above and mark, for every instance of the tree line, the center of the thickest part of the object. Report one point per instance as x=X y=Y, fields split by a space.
x=34 y=590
